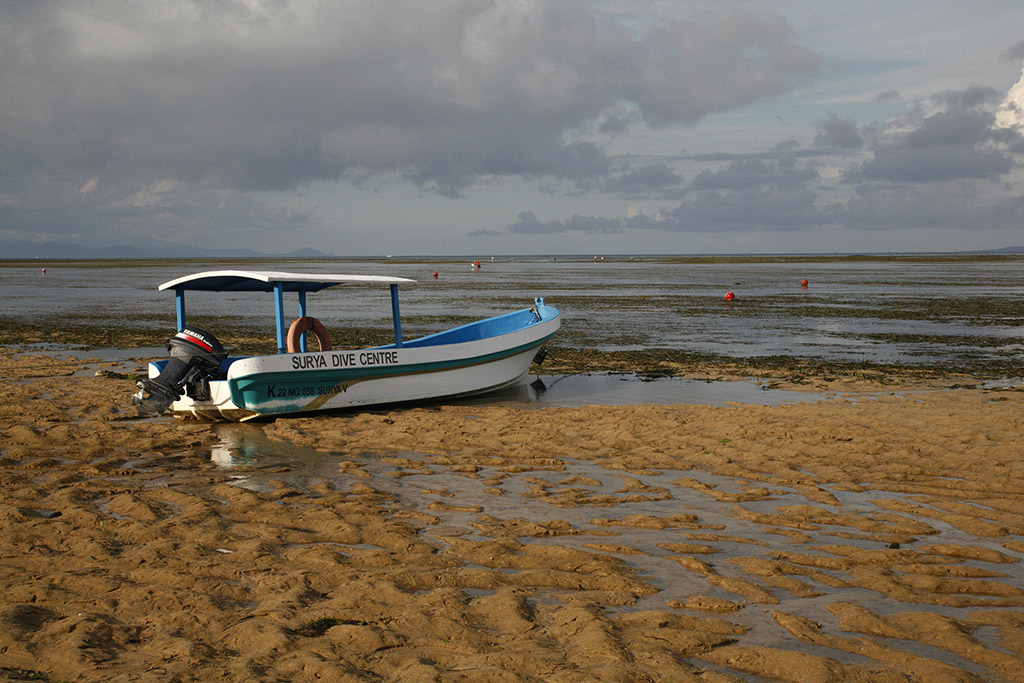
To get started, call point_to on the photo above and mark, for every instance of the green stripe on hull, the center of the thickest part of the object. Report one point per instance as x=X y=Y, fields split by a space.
x=310 y=390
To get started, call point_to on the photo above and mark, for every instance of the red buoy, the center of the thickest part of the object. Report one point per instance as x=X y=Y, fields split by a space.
x=804 y=283
x=729 y=296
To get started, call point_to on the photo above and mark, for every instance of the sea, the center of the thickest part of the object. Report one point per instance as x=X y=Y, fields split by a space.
x=961 y=311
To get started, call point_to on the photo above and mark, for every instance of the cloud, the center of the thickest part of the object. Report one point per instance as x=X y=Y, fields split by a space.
x=746 y=173
x=955 y=144
x=944 y=170
x=973 y=96
x=649 y=180
x=270 y=95
x=745 y=195
x=888 y=96
x=935 y=164
x=89 y=187
x=792 y=207
x=959 y=205
x=161 y=212
x=837 y=133
x=1016 y=51
x=529 y=225
x=202 y=120
x=1011 y=112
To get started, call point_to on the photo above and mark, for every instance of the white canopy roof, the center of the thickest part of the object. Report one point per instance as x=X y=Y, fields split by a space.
x=266 y=281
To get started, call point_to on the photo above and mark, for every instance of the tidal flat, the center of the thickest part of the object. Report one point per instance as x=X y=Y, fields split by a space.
x=872 y=531
x=875 y=535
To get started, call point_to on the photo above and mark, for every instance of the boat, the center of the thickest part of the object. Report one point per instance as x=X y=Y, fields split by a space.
x=200 y=380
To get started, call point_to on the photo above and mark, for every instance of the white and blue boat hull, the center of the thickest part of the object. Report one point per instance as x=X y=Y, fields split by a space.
x=472 y=359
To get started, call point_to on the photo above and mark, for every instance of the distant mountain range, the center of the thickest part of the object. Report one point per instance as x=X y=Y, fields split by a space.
x=1004 y=250
x=57 y=250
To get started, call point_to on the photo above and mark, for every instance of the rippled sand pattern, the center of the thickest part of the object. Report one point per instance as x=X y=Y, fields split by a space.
x=872 y=537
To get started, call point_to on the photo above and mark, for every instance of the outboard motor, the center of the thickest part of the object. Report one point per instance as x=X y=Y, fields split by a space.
x=195 y=358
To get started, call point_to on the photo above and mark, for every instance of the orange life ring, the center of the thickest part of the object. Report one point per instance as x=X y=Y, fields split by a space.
x=308 y=324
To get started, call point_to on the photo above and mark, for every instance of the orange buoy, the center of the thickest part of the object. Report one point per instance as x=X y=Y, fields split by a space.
x=729 y=296
x=435 y=274
x=804 y=283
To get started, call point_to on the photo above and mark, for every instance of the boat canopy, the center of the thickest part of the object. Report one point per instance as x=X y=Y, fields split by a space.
x=268 y=281
x=278 y=283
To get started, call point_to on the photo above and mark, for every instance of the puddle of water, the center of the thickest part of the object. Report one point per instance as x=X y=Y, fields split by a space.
x=614 y=389
x=1006 y=383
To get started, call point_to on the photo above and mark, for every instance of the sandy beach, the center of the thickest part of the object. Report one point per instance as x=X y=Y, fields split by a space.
x=874 y=535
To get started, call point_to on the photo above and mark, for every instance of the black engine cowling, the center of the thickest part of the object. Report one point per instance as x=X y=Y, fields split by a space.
x=195 y=359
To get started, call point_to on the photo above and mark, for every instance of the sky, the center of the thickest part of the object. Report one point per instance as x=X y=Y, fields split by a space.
x=403 y=127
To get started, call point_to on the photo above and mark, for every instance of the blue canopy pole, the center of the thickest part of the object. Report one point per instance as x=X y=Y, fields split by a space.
x=394 y=315
x=279 y=312
x=302 y=313
x=179 y=304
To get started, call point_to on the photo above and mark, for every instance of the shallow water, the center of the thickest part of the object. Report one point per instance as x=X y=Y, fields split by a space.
x=616 y=389
x=958 y=311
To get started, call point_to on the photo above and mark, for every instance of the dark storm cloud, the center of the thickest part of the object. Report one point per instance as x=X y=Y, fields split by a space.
x=268 y=96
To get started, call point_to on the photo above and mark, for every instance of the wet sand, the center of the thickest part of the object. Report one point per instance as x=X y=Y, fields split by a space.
x=874 y=536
